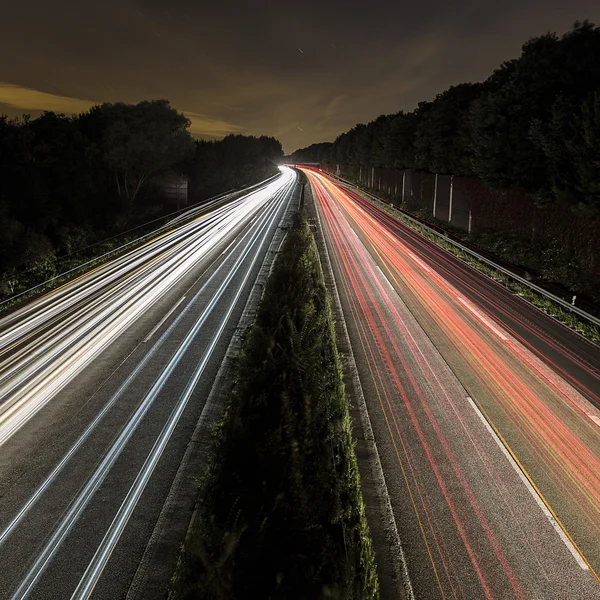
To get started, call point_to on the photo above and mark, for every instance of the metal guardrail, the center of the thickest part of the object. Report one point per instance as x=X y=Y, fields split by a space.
x=187 y=213
x=563 y=303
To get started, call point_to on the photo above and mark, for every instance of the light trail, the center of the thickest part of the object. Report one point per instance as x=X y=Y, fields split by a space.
x=473 y=517
x=252 y=247
x=46 y=344
x=246 y=240
x=97 y=564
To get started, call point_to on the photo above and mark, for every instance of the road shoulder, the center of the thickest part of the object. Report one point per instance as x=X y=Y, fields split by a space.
x=159 y=561
x=391 y=564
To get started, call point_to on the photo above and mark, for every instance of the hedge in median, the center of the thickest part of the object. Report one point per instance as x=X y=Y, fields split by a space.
x=281 y=512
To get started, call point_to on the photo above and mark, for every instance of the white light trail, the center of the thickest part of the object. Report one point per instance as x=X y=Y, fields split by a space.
x=251 y=244
x=46 y=344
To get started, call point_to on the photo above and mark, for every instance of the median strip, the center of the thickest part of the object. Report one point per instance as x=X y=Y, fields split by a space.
x=280 y=512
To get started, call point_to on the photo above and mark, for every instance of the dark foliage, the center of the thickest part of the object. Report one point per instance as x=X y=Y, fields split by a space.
x=534 y=124
x=281 y=512
x=232 y=162
x=311 y=154
x=68 y=182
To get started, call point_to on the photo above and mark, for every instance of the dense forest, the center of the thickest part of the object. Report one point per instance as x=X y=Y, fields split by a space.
x=68 y=182
x=232 y=162
x=534 y=125
x=315 y=153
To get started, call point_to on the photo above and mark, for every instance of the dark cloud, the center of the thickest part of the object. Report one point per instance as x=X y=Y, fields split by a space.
x=302 y=71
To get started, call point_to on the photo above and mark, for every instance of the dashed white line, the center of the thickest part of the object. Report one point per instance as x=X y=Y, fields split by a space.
x=482 y=318
x=163 y=320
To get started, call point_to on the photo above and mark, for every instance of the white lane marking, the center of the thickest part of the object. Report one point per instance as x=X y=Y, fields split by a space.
x=567 y=542
x=419 y=262
x=96 y=566
x=163 y=320
x=408 y=252
x=482 y=318
x=594 y=418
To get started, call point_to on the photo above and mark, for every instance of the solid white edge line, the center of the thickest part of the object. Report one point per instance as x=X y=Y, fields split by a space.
x=530 y=488
x=366 y=421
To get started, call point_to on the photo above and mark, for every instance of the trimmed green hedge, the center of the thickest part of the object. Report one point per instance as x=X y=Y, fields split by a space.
x=280 y=512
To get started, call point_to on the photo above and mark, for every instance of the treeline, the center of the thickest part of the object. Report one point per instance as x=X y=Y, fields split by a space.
x=314 y=153
x=68 y=182
x=232 y=162
x=280 y=513
x=534 y=124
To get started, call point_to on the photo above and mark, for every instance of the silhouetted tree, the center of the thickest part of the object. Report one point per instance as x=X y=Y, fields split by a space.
x=66 y=182
x=522 y=95
x=443 y=139
x=232 y=162
x=313 y=153
x=142 y=141
x=533 y=125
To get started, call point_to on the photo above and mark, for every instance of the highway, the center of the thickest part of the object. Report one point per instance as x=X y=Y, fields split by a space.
x=485 y=413
x=101 y=385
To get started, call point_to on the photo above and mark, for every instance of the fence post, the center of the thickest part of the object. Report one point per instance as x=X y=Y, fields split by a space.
x=451 y=193
x=470 y=216
x=403 y=184
x=435 y=195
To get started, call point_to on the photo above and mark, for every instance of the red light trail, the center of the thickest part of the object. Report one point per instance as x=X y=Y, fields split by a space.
x=484 y=521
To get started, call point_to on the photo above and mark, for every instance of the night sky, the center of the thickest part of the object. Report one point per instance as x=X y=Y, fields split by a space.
x=301 y=71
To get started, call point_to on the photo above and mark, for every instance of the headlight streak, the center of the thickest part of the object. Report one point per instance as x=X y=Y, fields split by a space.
x=32 y=316
x=252 y=248
x=99 y=308
x=197 y=211
x=156 y=347
x=96 y=566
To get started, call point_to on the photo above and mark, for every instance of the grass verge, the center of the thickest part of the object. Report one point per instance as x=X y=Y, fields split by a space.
x=280 y=511
x=543 y=303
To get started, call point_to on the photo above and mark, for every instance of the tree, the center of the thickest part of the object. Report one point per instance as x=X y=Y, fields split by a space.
x=315 y=153
x=443 y=139
x=401 y=147
x=232 y=162
x=571 y=143
x=142 y=141
x=521 y=96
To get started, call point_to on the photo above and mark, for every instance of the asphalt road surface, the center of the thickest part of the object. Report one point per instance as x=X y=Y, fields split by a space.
x=484 y=410
x=101 y=384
